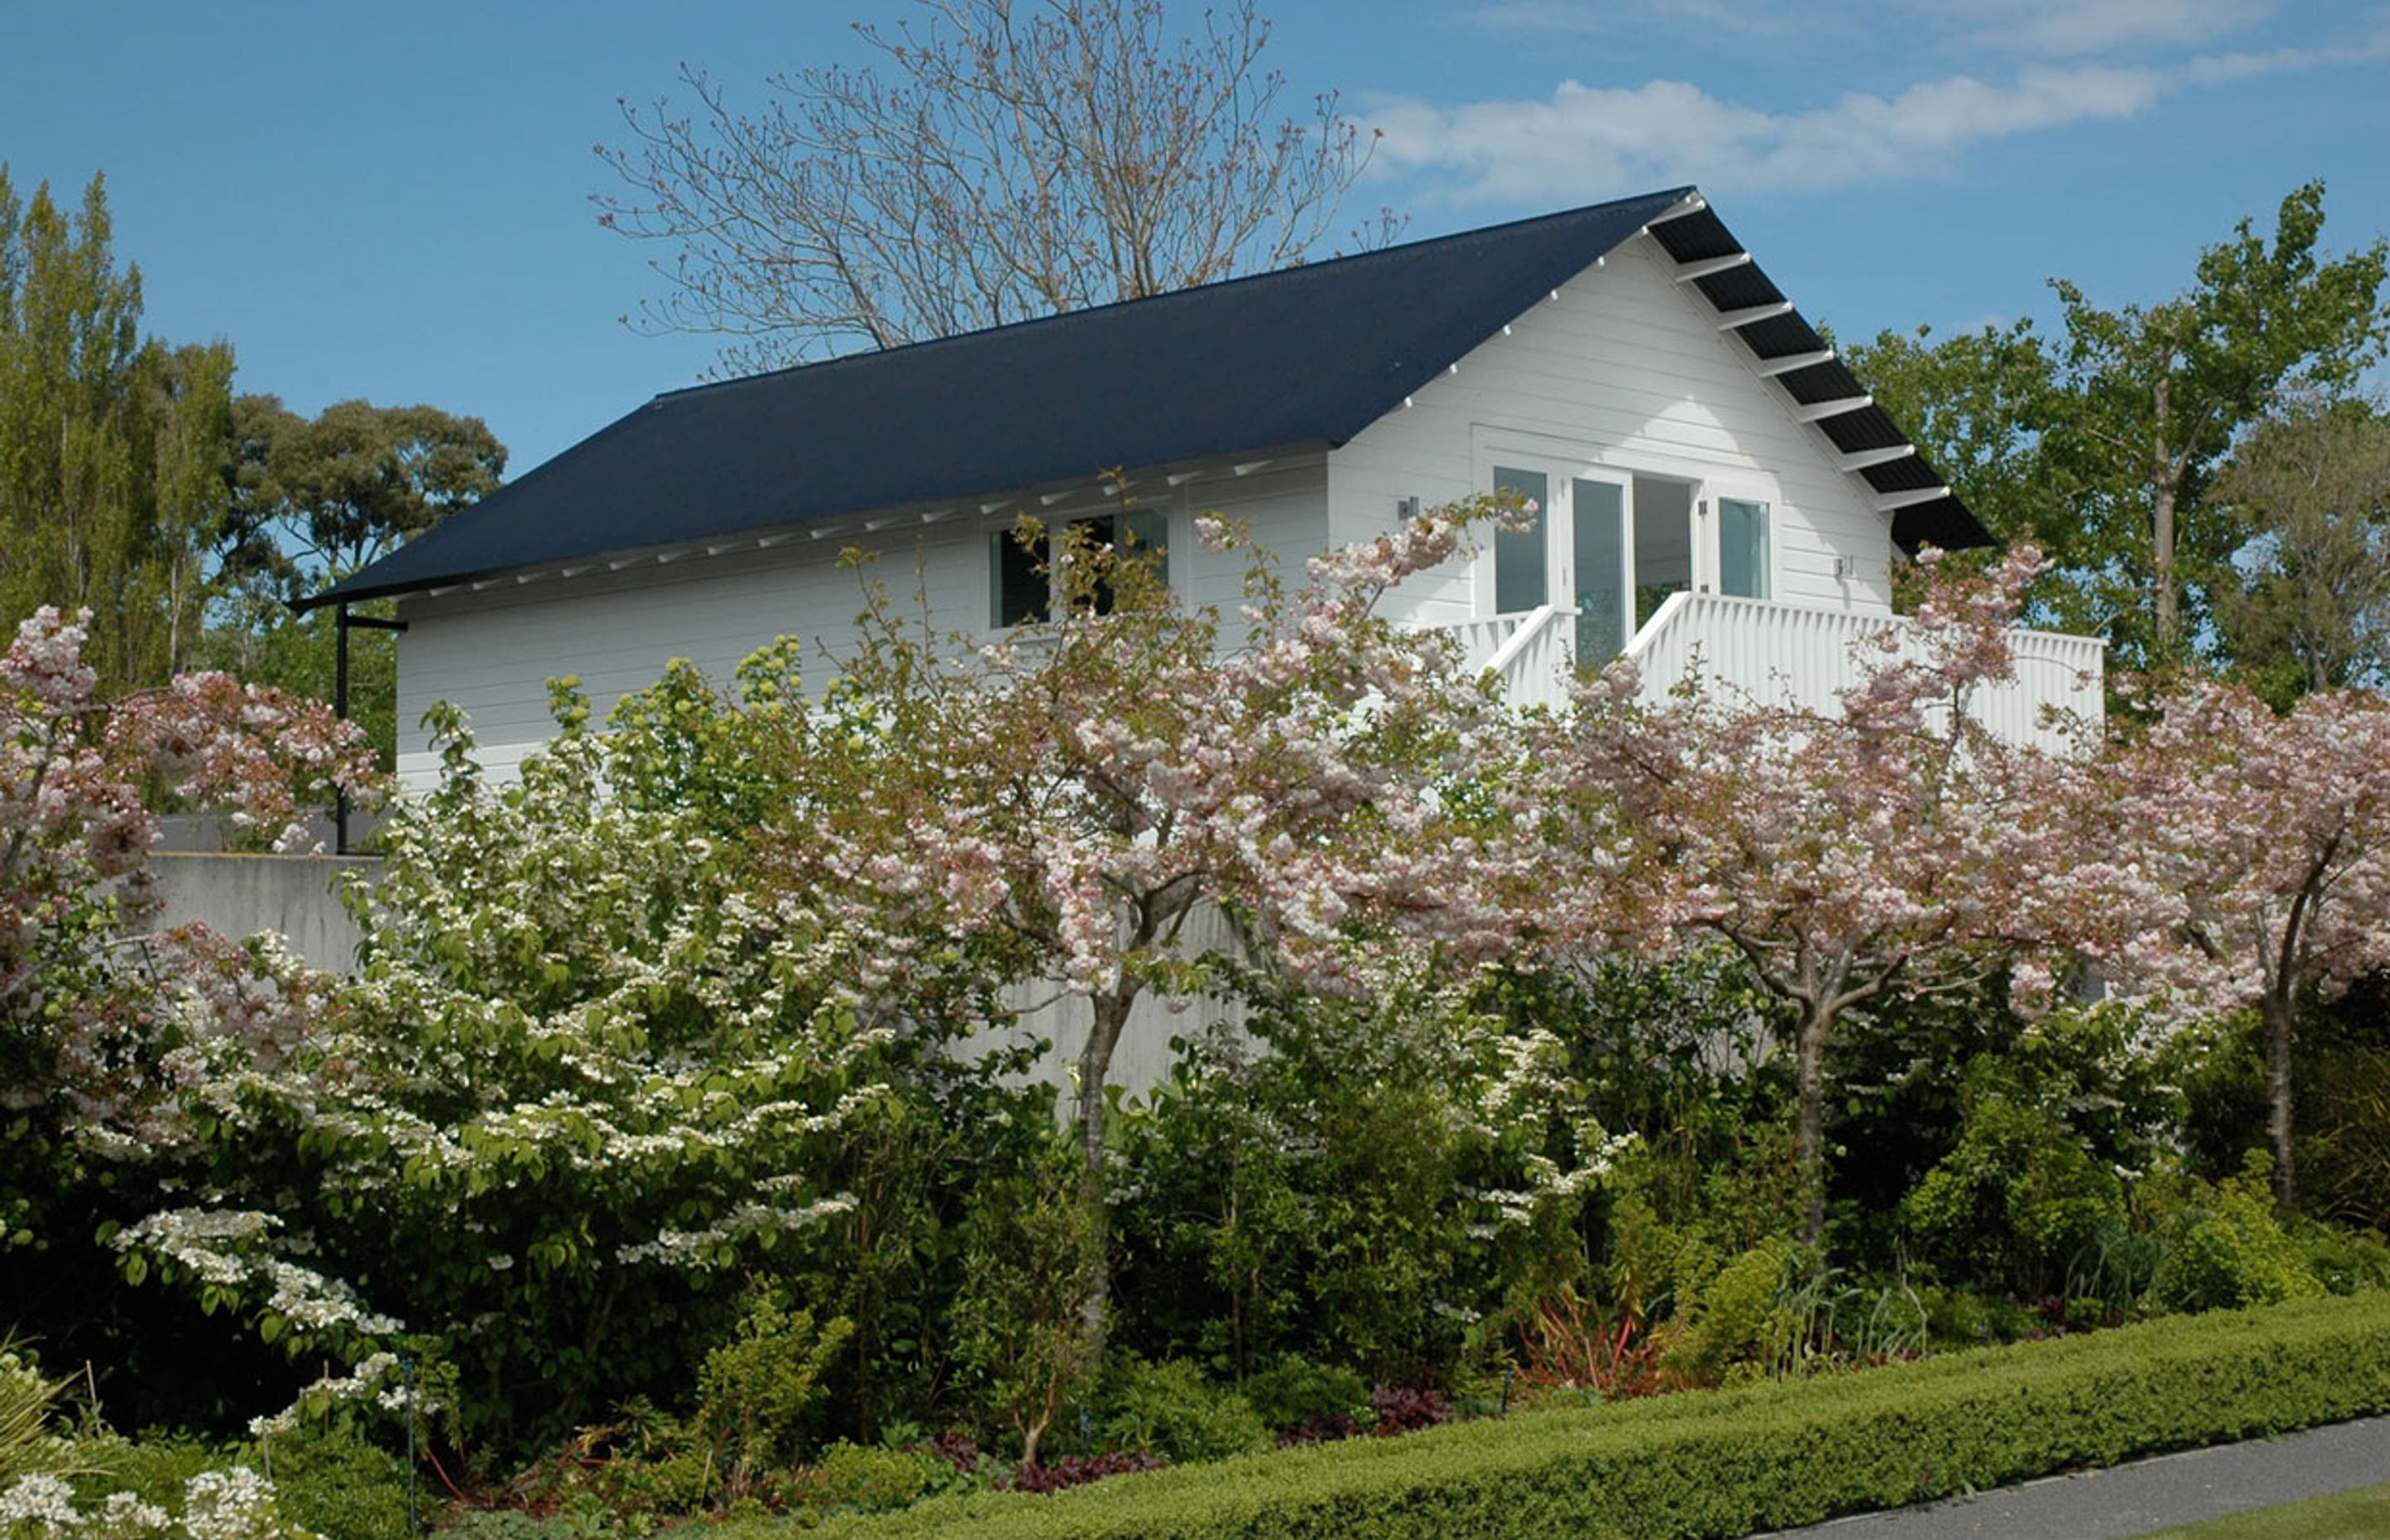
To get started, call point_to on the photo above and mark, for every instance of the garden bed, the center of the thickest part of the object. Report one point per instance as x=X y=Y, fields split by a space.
x=1735 y=1462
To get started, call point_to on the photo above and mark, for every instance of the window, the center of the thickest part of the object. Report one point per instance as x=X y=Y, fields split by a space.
x=1612 y=544
x=1021 y=587
x=1521 y=571
x=1016 y=578
x=1599 y=509
x=1665 y=540
x=1742 y=548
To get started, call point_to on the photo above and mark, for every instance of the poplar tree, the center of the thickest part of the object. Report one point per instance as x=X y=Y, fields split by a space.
x=111 y=445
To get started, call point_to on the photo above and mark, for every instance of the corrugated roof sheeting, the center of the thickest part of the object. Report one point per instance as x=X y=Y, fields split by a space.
x=1781 y=335
x=1827 y=381
x=1869 y=428
x=1701 y=235
x=1909 y=473
x=1738 y=287
x=1946 y=523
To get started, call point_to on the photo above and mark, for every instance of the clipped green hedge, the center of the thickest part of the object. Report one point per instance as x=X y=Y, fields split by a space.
x=1735 y=1462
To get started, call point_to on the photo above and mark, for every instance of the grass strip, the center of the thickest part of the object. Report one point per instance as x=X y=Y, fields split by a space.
x=2360 y=1515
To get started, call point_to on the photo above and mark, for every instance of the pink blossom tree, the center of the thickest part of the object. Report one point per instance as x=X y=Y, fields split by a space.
x=104 y=1023
x=1891 y=846
x=1069 y=796
x=2258 y=865
x=77 y=776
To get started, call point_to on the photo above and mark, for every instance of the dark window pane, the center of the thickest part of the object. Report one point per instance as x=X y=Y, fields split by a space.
x=1097 y=536
x=1149 y=536
x=1664 y=544
x=1520 y=572
x=1017 y=578
x=1600 y=511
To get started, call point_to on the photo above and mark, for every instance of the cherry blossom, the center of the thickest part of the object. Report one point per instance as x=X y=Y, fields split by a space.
x=2253 y=862
x=1067 y=797
x=1891 y=846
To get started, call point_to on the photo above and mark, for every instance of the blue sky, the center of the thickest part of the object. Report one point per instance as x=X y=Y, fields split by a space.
x=392 y=201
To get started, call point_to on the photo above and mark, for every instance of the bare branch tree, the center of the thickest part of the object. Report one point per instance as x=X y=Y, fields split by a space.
x=1018 y=158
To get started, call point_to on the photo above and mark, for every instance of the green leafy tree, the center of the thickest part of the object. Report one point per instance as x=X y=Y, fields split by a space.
x=1973 y=399
x=112 y=446
x=316 y=498
x=2311 y=486
x=2103 y=444
x=313 y=500
x=2154 y=397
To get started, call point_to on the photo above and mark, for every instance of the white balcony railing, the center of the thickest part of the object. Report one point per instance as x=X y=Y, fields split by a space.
x=1785 y=653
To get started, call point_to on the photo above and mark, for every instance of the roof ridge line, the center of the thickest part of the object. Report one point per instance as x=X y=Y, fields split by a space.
x=1672 y=195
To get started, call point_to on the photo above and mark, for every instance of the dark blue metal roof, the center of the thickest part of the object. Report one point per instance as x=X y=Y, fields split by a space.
x=1307 y=356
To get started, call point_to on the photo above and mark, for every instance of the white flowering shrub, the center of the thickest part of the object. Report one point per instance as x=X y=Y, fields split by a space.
x=41 y=1463
x=584 y=1080
x=235 y=1504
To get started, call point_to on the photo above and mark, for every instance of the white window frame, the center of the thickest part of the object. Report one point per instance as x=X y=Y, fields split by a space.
x=1729 y=488
x=1169 y=504
x=1561 y=461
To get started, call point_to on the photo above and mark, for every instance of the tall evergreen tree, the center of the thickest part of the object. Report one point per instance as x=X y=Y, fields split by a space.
x=112 y=446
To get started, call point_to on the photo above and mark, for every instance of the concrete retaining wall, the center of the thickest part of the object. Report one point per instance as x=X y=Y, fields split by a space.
x=239 y=895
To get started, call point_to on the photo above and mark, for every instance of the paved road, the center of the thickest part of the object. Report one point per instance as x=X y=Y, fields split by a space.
x=2147 y=1495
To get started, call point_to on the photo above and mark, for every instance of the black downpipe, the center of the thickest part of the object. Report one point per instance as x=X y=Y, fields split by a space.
x=342 y=624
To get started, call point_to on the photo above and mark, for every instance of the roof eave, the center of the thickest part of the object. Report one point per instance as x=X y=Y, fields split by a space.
x=863 y=522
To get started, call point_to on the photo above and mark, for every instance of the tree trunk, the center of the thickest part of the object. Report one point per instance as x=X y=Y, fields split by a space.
x=1095 y=1068
x=2166 y=599
x=1809 y=1133
x=2165 y=485
x=2275 y=1011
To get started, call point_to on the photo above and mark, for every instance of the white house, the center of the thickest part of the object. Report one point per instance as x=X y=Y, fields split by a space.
x=1714 y=482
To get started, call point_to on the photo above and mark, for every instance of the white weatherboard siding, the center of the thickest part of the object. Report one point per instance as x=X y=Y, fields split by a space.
x=492 y=651
x=1286 y=505
x=1624 y=371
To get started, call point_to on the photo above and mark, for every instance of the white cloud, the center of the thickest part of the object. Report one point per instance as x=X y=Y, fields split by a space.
x=2073 y=27
x=1586 y=142
x=2040 y=29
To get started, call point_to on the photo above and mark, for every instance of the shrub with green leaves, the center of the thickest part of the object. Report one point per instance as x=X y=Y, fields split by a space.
x=1018 y=1343
x=1367 y=1191
x=855 y=1478
x=585 y=1081
x=1295 y=1391
x=1739 y=1323
x=2016 y=1205
x=82 y=1482
x=2228 y=1249
x=1171 y=1410
x=758 y=1392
